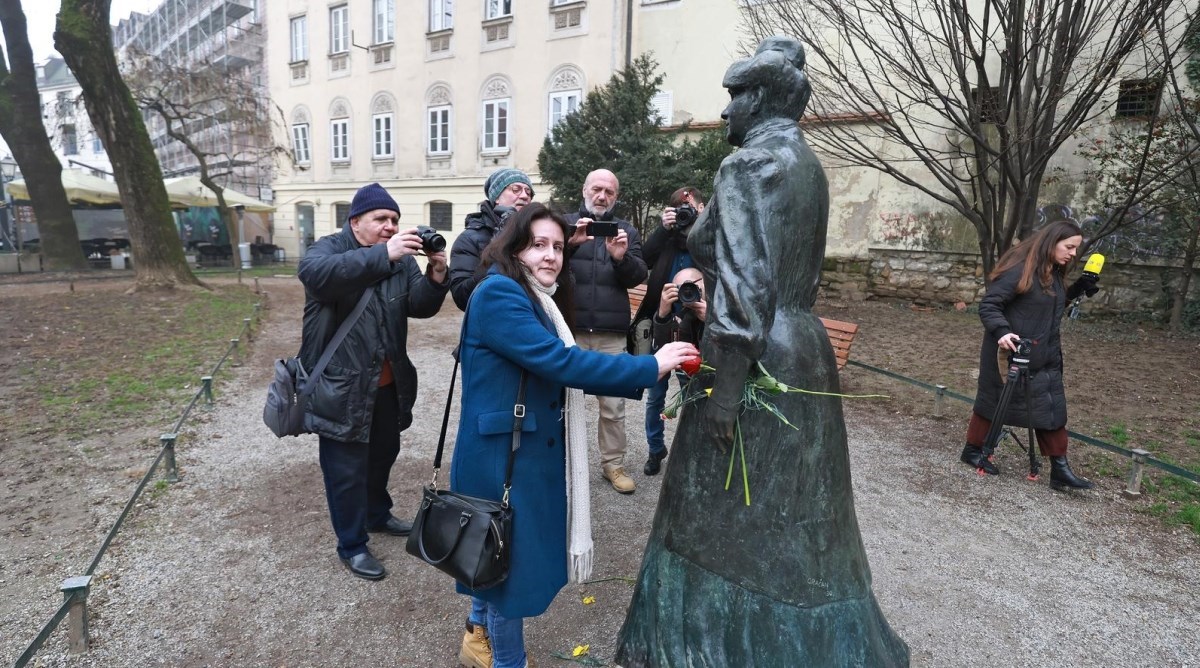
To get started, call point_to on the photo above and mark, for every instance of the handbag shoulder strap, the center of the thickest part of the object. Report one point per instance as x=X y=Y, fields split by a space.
x=518 y=418
x=336 y=341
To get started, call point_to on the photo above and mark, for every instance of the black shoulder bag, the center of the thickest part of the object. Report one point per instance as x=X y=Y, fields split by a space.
x=287 y=396
x=466 y=537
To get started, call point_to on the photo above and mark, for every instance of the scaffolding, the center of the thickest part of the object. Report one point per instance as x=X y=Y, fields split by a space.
x=227 y=35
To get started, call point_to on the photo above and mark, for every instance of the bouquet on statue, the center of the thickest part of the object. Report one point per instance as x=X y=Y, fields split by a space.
x=757 y=393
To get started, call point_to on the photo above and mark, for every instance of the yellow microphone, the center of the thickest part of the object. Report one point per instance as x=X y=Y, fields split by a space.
x=1094 y=264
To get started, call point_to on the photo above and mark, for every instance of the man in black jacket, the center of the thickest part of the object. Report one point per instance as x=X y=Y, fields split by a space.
x=364 y=398
x=604 y=268
x=508 y=191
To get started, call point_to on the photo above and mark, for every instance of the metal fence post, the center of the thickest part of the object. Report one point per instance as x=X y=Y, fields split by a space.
x=246 y=322
x=168 y=444
x=939 y=400
x=206 y=381
x=237 y=357
x=1133 y=489
x=75 y=591
x=257 y=290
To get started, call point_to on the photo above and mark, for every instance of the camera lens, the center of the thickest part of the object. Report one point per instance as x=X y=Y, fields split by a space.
x=689 y=293
x=431 y=241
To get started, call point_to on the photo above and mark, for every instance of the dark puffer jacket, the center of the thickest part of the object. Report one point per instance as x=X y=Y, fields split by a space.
x=481 y=227
x=1033 y=315
x=335 y=271
x=601 y=285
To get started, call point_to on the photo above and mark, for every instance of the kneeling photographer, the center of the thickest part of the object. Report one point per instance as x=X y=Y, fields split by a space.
x=666 y=254
x=1023 y=307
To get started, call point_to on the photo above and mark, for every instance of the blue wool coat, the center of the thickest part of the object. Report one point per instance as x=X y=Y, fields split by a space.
x=503 y=333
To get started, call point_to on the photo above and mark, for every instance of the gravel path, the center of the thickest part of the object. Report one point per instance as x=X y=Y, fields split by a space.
x=235 y=566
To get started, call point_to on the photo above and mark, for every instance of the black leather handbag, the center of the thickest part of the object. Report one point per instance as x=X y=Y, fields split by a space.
x=466 y=537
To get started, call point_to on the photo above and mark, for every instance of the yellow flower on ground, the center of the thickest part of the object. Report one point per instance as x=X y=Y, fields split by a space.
x=588 y=600
x=581 y=650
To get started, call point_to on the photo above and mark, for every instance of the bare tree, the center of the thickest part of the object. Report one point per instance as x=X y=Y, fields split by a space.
x=21 y=125
x=191 y=99
x=966 y=102
x=84 y=38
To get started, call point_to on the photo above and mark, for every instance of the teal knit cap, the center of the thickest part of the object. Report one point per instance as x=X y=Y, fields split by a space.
x=502 y=179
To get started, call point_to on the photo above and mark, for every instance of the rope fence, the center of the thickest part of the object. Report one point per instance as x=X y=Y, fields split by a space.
x=75 y=589
x=1139 y=458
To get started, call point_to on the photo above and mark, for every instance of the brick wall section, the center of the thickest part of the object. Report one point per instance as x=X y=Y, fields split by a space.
x=946 y=278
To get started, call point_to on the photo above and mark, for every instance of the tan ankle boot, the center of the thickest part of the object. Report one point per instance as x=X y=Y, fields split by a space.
x=619 y=479
x=476 y=649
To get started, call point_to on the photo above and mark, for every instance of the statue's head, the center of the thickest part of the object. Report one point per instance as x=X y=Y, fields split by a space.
x=769 y=84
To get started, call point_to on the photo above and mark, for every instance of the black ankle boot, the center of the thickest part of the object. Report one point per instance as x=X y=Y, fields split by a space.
x=1062 y=476
x=654 y=463
x=973 y=455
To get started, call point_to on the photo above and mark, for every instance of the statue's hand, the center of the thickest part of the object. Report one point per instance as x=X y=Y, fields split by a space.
x=718 y=423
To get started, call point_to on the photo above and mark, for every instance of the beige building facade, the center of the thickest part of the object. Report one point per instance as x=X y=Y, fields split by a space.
x=431 y=101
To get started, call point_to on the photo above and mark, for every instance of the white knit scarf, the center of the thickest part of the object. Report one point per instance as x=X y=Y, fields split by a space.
x=579 y=505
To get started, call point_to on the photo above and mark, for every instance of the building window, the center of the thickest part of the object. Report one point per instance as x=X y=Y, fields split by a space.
x=299 y=39
x=339 y=140
x=70 y=140
x=441 y=216
x=1138 y=97
x=563 y=104
x=439 y=129
x=441 y=15
x=300 y=143
x=495 y=125
x=495 y=9
x=339 y=29
x=660 y=106
x=383 y=136
x=385 y=20
x=341 y=211
x=988 y=101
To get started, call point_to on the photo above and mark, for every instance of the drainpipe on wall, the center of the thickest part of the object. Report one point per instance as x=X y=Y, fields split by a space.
x=629 y=32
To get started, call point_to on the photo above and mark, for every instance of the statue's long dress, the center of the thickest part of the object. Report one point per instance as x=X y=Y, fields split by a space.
x=785 y=581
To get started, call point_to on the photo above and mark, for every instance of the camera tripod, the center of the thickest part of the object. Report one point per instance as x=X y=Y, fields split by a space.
x=1018 y=372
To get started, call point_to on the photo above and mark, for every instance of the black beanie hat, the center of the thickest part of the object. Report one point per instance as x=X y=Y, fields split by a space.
x=369 y=198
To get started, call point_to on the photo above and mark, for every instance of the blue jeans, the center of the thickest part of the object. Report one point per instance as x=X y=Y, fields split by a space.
x=656 y=401
x=507 y=635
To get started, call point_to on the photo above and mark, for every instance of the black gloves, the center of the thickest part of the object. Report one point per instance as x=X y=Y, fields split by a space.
x=1086 y=284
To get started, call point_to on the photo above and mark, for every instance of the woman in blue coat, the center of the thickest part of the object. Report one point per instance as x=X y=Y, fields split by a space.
x=518 y=320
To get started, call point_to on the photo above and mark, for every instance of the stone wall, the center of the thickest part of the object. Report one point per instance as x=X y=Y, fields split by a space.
x=931 y=277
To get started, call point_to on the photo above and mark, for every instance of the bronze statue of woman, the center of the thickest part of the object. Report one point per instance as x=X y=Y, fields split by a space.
x=783 y=581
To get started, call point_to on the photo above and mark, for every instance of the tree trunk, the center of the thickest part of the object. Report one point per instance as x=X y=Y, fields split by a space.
x=1185 y=281
x=84 y=39
x=21 y=125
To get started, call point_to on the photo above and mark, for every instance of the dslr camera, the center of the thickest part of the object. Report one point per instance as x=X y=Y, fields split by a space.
x=431 y=241
x=685 y=215
x=689 y=293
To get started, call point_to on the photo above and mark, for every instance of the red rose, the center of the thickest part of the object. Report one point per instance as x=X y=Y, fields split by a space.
x=691 y=366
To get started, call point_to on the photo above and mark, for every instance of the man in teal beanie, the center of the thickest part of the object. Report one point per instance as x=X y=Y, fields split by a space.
x=507 y=190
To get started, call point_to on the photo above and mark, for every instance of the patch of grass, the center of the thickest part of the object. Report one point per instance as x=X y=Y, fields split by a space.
x=1177 y=500
x=156 y=348
x=1119 y=434
x=1192 y=438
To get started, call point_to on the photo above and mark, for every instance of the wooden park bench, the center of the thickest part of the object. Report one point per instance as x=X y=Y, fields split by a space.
x=841 y=333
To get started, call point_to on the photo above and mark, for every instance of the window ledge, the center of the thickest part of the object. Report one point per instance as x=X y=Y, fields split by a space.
x=494 y=152
x=568 y=6
x=498 y=21
x=433 y=34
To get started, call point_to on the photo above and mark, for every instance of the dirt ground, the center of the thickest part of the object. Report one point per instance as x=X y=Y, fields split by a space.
x=234 y=566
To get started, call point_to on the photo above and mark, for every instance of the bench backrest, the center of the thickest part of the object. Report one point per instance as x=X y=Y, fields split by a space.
x=841 y=333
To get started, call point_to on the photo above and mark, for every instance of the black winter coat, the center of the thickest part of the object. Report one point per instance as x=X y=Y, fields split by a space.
x=1033 y=315
x=481 y=227
x=601 y=285
x=335 y=271
x=659 y=251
